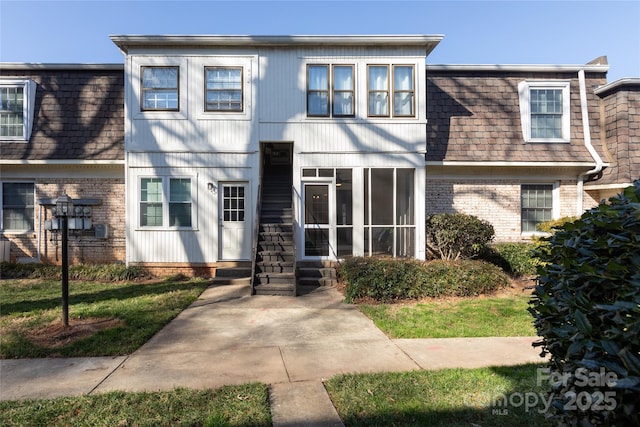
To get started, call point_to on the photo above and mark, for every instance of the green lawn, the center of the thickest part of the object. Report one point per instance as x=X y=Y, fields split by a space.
x=245 y=405
x=450 y=397
x=135 y=311
x=469 y=317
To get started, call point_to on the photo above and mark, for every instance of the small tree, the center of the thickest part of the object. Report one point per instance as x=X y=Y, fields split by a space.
x=587 y=310
x=451 y=236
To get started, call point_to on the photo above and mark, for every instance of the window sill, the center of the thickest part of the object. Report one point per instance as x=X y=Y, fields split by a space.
x=172 y=229
x=17 y=232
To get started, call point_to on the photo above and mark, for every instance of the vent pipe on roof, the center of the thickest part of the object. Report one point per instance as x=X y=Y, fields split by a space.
x=587 y=142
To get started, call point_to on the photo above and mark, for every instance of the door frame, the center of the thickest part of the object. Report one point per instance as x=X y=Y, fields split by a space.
x=248 y=220
x=331 y=226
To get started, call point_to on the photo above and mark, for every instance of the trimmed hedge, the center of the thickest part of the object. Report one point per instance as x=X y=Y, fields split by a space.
x=586 y=308
x=388 y=280
x=108 y=272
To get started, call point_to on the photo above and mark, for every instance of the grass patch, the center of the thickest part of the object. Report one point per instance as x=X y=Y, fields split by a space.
x=106 y=319
x=449 y=397
x=245 y=405
x=474 y=317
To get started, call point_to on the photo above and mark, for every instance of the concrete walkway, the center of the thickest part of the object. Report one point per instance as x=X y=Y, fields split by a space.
x=229 y=337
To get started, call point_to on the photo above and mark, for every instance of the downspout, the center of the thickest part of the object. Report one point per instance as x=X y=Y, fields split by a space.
x=587 y=143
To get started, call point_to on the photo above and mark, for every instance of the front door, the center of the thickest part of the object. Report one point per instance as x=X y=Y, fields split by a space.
x=318 y=221
x=235 y=221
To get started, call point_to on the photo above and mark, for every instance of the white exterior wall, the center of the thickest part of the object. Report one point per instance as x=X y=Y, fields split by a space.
x=211 y=148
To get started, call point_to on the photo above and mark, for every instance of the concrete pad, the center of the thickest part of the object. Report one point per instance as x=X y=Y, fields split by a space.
x=302 y=404
x=50 y=378
x=322 y=361
x=154 y=372
x=438 y=353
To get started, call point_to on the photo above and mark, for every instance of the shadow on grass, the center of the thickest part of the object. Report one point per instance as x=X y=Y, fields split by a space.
x=497 y=396
x=77 y=296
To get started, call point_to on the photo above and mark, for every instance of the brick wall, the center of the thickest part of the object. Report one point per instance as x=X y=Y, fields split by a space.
x=84 y=247
x=494 y=200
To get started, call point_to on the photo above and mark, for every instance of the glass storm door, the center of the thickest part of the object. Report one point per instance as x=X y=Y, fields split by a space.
x=318 y=230
x=235 y=221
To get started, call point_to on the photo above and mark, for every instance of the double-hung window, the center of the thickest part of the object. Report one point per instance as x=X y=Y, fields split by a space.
x=223 y=90
x=544 y=110
x=330 y=94
x=536 y=206
x=160 y=88
x=166 y=202
x=17 y=206
x=401 y=92
x=17 y=99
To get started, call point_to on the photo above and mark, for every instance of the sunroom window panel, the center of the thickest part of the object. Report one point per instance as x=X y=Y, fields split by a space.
x=382 y=196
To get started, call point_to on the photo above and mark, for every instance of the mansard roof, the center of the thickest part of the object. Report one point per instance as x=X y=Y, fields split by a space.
x=473 y=114
x=78 y=113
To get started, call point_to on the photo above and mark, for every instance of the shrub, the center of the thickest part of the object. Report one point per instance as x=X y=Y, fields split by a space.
x=586 y=308
x=555 y=224
x=517 y=259
x=387 y=280
x=107 y=272
x=452 y=236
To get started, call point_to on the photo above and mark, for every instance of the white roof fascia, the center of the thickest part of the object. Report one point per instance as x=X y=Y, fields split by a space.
x=627 y=81
x=616 y=186
x=511 y=164
x=126 y=42
x=551 y=68
x=55 y=66
x=60 y=162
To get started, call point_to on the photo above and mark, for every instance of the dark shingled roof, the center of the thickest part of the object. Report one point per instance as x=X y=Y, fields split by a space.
x=475 y=116
x=79 y=114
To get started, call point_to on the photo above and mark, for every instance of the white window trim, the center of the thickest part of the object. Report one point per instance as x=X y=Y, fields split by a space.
x=524 y=93
x=137 y=64
x=165 y=203
x=555 y=208
x=28 y=107
x=197 y=68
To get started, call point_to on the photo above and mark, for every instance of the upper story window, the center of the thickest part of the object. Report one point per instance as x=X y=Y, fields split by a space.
x=223 y=89
x=545 y=112
x=330 y=94
x=381 y=92
x=17 y=99
x=17 y=206
x=166 y=202
x=160 y=89
x=403 y=90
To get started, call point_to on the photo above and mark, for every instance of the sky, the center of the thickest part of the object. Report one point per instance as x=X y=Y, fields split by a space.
x=475 y=32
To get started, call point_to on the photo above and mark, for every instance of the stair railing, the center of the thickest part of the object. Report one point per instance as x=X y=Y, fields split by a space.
x=293 y=235
x=256 y=233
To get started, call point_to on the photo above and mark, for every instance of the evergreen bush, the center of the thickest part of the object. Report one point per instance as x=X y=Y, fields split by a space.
x=388 y=280
x=586 y=308
x=451 y=236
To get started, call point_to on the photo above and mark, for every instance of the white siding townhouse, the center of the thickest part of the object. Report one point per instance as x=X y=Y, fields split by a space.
x=283 y=152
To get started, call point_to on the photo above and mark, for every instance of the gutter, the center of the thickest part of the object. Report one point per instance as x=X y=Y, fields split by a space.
x=587 y=143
